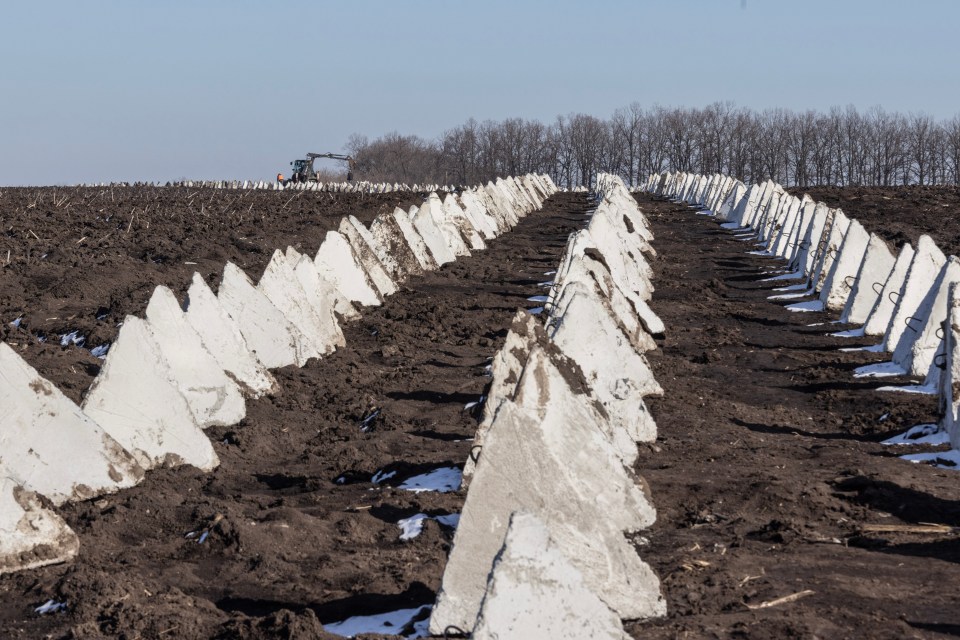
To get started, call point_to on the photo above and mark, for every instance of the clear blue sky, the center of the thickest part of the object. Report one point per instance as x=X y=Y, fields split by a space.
x=137 y=90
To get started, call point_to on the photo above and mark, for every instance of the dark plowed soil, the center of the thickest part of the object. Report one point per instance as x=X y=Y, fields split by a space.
x=899 y=214
x=769 y=464
x=298 y=533
x=81 y=259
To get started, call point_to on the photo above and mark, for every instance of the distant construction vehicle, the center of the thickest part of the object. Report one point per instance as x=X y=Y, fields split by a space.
x=303 y=170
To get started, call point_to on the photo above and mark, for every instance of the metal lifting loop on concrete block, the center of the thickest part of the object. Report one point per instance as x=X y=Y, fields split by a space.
x=875 y=285
x=940 y=361
x=891 y=296
x=475 y=452
x=908 y=320
x=941 y=330
x=453 y=631
x=849 y=280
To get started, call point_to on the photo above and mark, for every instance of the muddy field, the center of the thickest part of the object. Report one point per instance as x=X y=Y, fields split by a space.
x=899 y=214
x=81 y=259
x=767 y=467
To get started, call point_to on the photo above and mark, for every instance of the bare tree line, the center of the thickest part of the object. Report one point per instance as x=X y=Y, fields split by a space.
x=809 y=148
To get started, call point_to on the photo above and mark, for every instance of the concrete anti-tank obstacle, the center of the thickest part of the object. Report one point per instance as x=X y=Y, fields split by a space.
x=727 y=209
x=456 y=215
x=584 y=330
x=136 y=401
x=336 y=262
x=367 y=256
x=949 y=387
x=213 y=398
x=534 y=591
x=433 y=236
x=508 y=364
x=917 y=356
x=588 y=502
x=482 y=221
x=49 y=445
x=926 y=264
x=813 y=240
x=414 y=240
x=274 y=340
x=222 y=338
x=879 y=318
x=449 y=228
x=390 y=240
x=279 y=283
x=797 y=245
x=836 y=287
x=831 y=248
x=322 y=293
x=630 y=270
x=875 y=267
x=30 y=535
x=780 y=242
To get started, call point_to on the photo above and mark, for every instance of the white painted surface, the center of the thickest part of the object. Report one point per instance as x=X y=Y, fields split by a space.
x=48 y=445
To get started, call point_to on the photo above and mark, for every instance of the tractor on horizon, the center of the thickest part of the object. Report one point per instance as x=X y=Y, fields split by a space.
x=303 y=171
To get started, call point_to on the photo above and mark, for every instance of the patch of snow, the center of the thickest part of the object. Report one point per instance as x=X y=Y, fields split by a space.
x=380 y=476
x=73 y=337
x=928 y=434
x=786 y=276
x=796 y=287
x=759 y=253
x=730 y=225
x=16 y=323
x=538 y=298
x=535 y=311
x=408 y=623
x=51 y=606
x=789 y=296
x=101 y=351
x=443 y=480
x=549 y=273
x=879 y=370
x=411 y=527
x=927 y=390
x=850 y=333
x=940 y=459
x=804 y=307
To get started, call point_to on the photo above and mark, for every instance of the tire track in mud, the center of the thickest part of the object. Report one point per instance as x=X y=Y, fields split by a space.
x=296 y=532
x=768 y=461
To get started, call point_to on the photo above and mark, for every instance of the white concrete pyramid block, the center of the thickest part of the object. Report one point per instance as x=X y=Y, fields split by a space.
x=222 y=338
x=367 y=256
x=30 y=535
x=279 y=283
x=831 y=249
x=48 y=445
x=788 y=232
x=524 y=336
x=414 y=240
x=874 y=269
x=467 y=231
x=926 y=264
x=274 y=340
x=588 y=502
x=838 y=285
x=390 y=240
x=917 y=354
x=322 y=293
x=534 y=591
x=136 y=401
x=477 y=212
x=812 y=239
x=882 y=311
x=213 y=397
x=584 y=330
x=798 y=244
x=629 y=268
x=336 y=262
x=450 y=229
x=433 y=235
x=949 y=387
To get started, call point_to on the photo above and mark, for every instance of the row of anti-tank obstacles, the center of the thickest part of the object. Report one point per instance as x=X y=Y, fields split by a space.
x=187 y=367
x=541 y=548
x=272 y=185
x=911 y=299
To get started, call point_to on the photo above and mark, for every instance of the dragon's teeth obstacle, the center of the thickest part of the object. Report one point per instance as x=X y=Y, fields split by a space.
x=551 y=465
x=908 y=299
x=190 y=366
